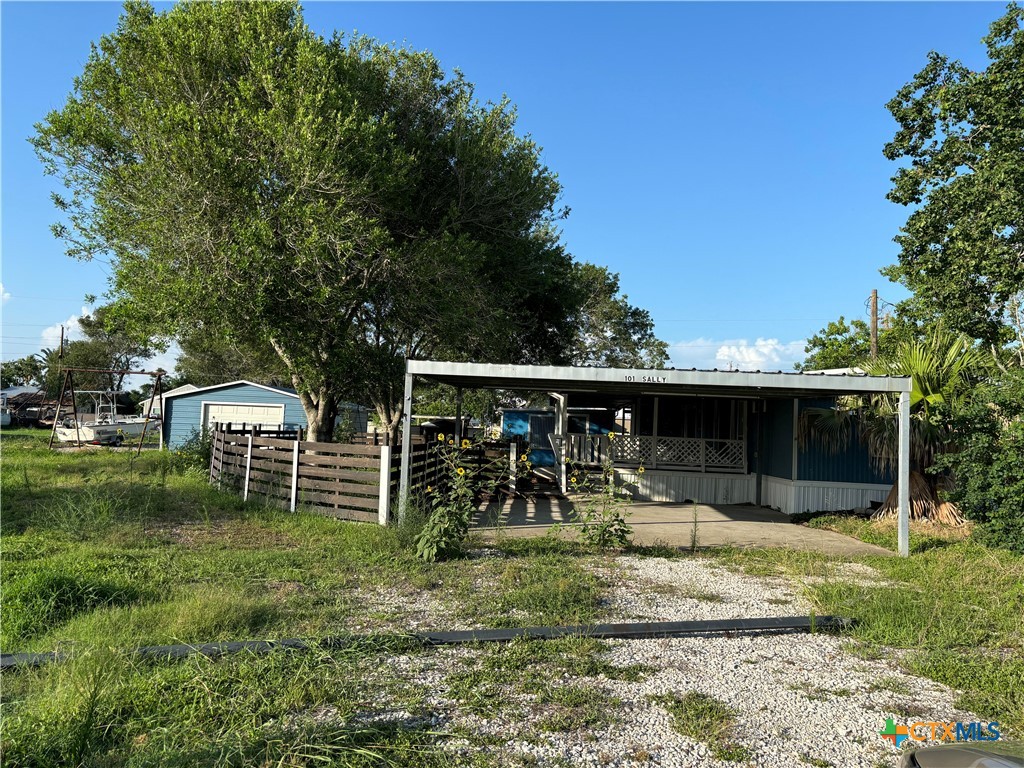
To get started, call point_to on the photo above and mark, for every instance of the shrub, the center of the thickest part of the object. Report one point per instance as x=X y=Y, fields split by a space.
x=193 y=456
x=988 y=467
x=452 y=500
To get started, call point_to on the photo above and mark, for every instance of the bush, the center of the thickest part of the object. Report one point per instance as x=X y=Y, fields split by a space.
x=452 y=500
x=988 y=468
x=194 y=454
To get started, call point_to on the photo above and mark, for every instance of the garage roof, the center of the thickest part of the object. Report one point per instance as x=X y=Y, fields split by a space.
x=670 y=381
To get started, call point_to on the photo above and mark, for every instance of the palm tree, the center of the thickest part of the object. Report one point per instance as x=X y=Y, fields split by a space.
x=943 y=369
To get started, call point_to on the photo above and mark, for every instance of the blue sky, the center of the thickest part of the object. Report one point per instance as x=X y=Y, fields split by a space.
x=724 y=158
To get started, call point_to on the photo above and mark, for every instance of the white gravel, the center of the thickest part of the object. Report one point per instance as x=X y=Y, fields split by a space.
x=798 y=697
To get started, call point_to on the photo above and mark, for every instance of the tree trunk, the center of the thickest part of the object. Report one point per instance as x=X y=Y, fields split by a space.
x=390 y=419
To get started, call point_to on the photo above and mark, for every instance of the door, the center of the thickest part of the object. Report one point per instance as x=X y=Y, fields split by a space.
x=270 y=416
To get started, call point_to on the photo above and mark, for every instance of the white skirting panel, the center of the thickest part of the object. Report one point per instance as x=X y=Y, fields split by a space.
x=815 y=496
x=777 y=493
x=705 y=488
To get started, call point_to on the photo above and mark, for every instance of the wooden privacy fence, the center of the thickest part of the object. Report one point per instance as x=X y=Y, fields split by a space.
x=343 y=480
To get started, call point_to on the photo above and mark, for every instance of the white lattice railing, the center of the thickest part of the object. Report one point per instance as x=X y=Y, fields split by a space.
x=692 y=453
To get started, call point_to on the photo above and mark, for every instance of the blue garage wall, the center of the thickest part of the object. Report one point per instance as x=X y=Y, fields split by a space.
x=852 y=464
x=184 y=412
x=778 y=438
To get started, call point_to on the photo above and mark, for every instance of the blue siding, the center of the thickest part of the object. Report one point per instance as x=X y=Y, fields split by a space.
x=184 y=412
x=852 y=464
x=517 y=424
x=778 y=439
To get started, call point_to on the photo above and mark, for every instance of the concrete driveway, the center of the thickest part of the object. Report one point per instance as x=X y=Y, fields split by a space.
x=672 y=525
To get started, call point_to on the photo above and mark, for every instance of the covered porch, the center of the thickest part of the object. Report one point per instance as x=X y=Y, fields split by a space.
x=720 y=437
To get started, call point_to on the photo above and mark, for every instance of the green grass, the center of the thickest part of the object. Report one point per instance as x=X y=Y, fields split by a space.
x=957 y=609
x=103 y=551
x=705 y=719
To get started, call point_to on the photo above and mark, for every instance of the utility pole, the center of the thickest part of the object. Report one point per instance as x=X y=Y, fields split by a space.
x=874 y=324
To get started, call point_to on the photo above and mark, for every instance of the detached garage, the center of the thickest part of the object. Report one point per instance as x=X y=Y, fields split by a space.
x=237 y=402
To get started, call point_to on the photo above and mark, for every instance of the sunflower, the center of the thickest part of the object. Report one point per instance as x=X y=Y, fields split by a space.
x=460 y=471
x=611 y=435
x=465 y=443
x=440 y=437
x=524 y=457
x=640 y=471
x=572 y=480
x=451 y=442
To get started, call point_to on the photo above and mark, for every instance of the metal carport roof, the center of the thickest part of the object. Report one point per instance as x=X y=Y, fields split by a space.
x=563 y=379
x=653 y=381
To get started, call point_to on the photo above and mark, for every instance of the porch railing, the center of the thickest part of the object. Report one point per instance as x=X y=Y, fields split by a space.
x=696 y=454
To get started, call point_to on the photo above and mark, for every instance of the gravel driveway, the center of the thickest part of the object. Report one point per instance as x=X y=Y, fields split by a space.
x=798 y=699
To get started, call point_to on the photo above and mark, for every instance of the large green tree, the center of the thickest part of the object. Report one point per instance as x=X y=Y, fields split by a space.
x=961 y=147
x=608 y=330
x=346 y=204
x=23 y=372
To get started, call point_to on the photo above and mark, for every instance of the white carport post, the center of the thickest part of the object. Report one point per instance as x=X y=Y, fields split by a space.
x=403 y=483
x=903 y=480
x=562 y=436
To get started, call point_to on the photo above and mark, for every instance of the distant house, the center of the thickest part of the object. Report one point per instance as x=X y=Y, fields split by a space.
x=188 y=411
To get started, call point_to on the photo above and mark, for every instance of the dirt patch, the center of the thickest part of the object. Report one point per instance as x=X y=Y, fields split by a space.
x=229 y=534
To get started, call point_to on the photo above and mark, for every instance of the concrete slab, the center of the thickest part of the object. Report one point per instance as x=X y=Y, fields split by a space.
x=672 y=525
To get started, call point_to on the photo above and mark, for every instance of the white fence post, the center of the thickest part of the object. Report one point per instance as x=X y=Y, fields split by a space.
x=513 y=455
x=248 y=469
x=295 y=476
x=384 y=502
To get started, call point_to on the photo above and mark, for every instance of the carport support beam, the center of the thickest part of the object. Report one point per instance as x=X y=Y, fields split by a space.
x=403 y=484
x=903 y=480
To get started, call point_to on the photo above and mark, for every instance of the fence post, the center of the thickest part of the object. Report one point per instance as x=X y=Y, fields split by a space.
x=384 y=501
x=295 y=474
x=213 y=450
x=248 y=469
x=513 y=455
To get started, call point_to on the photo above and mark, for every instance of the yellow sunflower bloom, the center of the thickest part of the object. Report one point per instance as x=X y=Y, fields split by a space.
x=640 y=471
x=524 y=457
x=465 y=443
x=572 y=480
x=451 y=442
x=440 y=437
x=611 y=435
x=460 y=471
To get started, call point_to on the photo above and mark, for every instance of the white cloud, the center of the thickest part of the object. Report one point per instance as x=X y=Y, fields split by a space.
x=737 y=354
x=4 y=294
x=72 y=330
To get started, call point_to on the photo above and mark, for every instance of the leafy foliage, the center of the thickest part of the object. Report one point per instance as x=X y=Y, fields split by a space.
x=609 y=331
x=452 y=500
x=23 y=372
x=960 y=131
x=989 y=464
x=838 y=345
x=344 y=204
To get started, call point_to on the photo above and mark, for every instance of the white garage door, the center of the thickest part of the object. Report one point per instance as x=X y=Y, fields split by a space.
x=243 y=413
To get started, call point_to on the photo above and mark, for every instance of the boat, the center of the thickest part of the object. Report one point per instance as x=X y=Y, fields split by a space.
x=107 y=428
